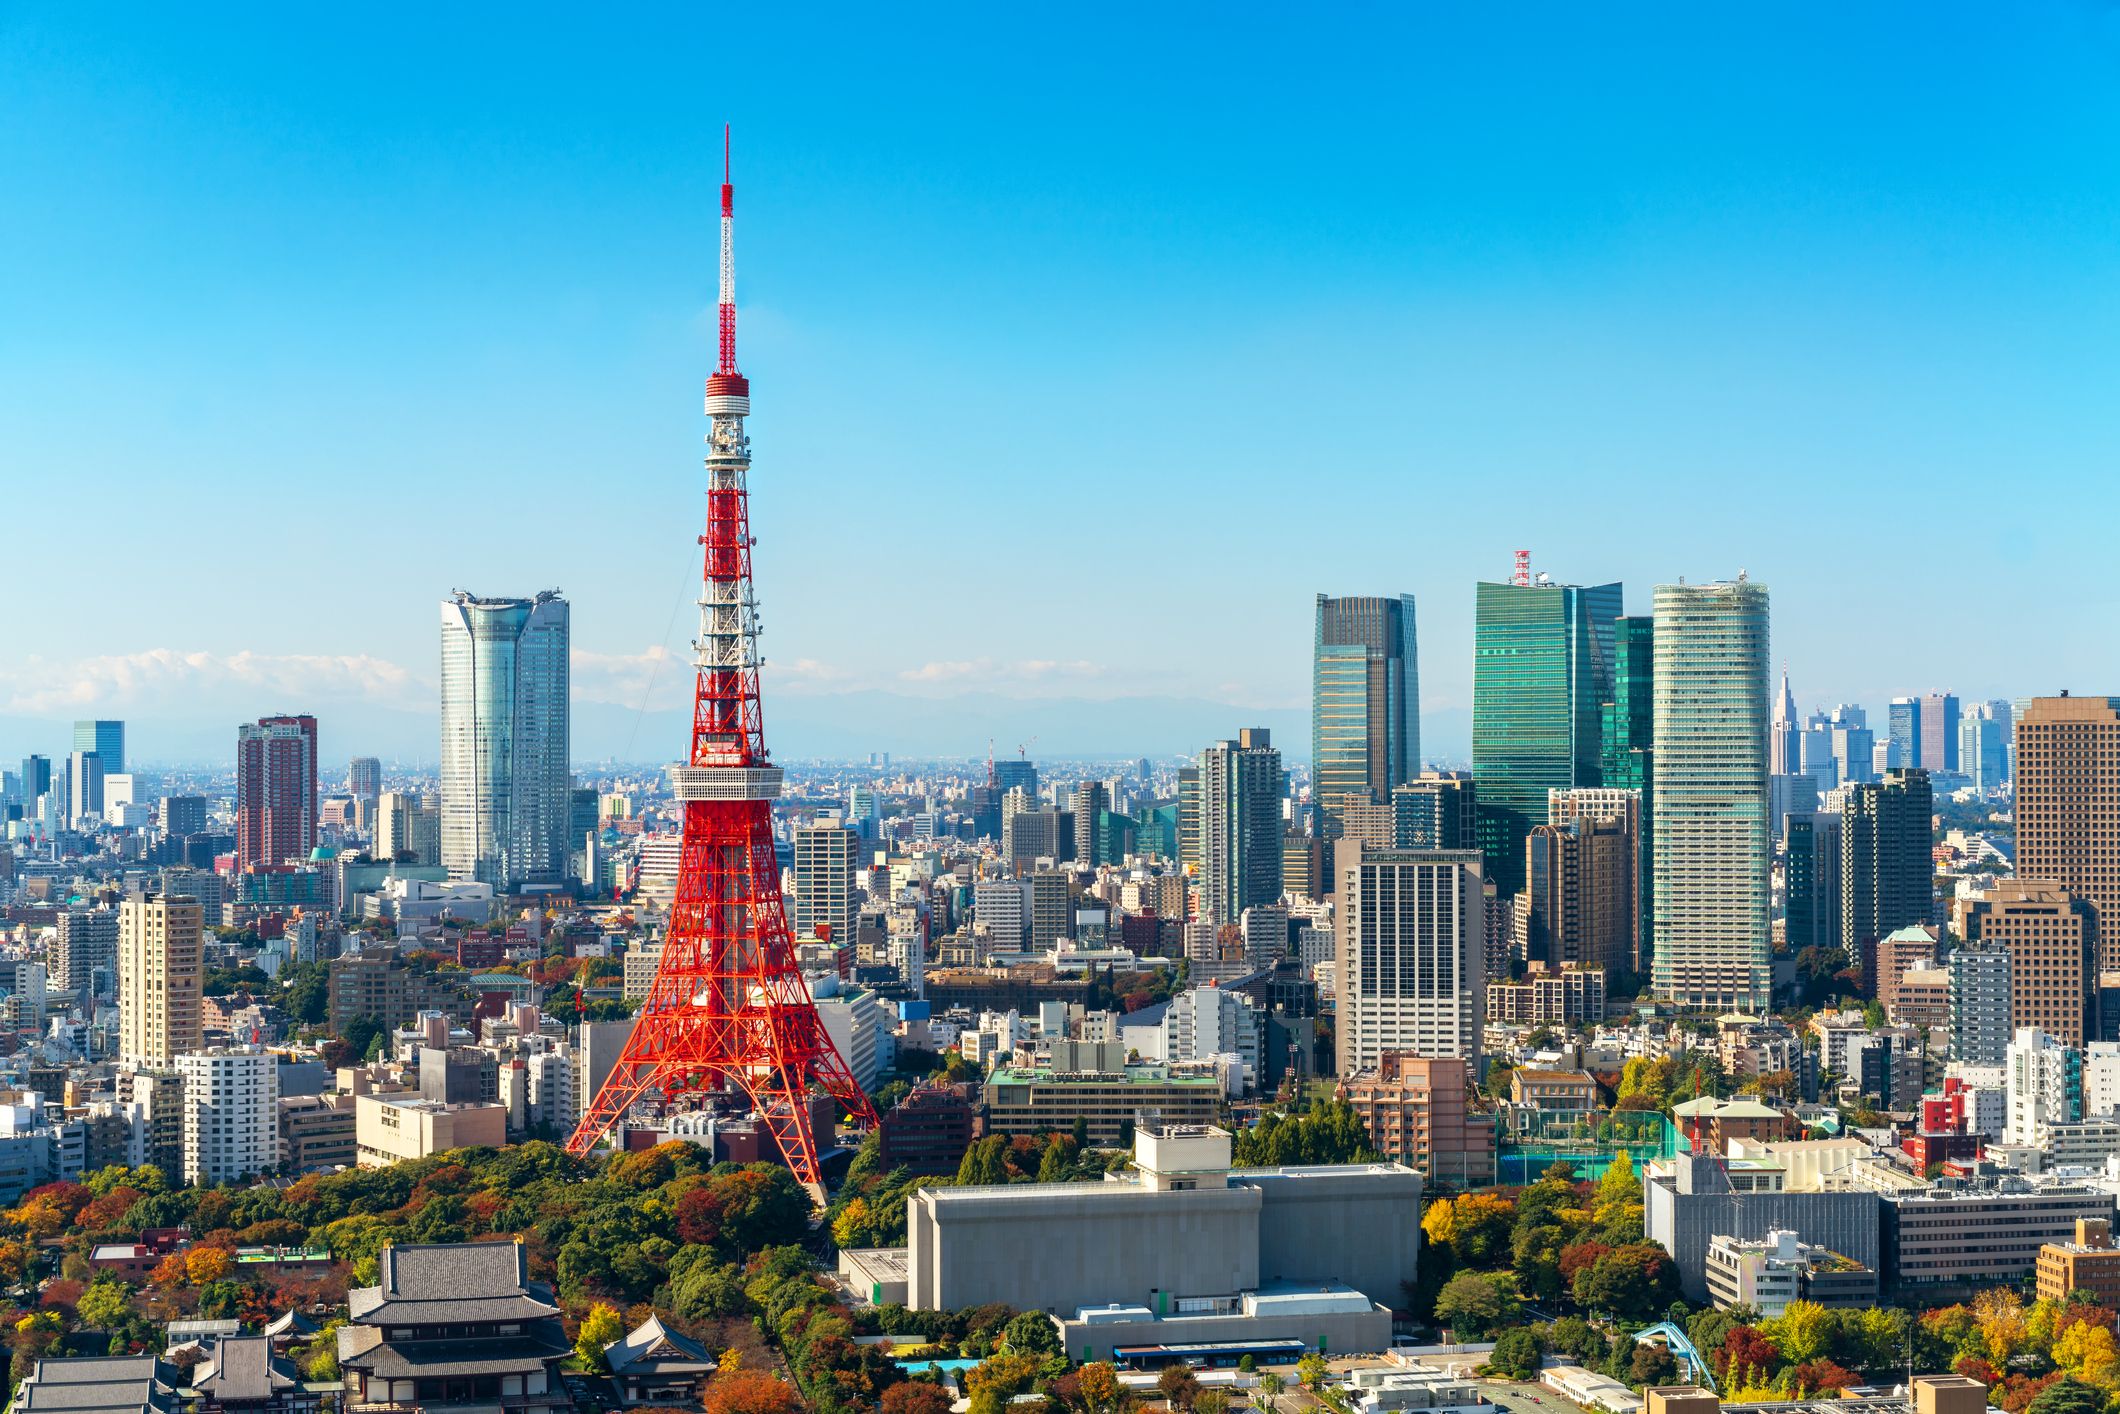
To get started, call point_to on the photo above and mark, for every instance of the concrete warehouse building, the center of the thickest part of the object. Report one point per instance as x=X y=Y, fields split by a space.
x=1184 y=1250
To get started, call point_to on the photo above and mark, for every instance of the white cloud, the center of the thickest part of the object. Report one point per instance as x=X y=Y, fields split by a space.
x=166 y=677
x=991 y=673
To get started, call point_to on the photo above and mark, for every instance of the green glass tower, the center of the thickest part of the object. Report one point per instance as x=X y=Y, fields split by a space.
x=1542 y=672
x=1629 y=746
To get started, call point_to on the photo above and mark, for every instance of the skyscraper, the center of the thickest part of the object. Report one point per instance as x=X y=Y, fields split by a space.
x=160 y=956
x=1542 y=669
x=1010 y=774
x=1365 y=704
x=1628 y=730
x=408 y=825
x=1613 y=876
x=1904 y=735
x=1411 y=953
x=1854 y=746
x=35 y=781
x=505 y=772
x=1983 y=745
x=1438 y=811
x=2068 y=806
x=1712 y=857
x=1092 y=801
x=1240 y=825
x=1785 y=734
x=84 y=788
x=1811 y=849
x=2047 y=932
x=1939 y=733
x=106 y=740
x=276 y=790
x=364 y=778
x=1887 y=866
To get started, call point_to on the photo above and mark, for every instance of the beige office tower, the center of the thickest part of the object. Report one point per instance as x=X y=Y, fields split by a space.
x=1710 y=873
x=2068 y=806
x=160 y=950
x=1412 y=945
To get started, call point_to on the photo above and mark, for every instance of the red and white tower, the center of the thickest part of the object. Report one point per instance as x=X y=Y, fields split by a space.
x=729 y=1009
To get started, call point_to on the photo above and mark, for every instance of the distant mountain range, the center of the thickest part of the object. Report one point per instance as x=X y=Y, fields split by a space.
x=799 y=726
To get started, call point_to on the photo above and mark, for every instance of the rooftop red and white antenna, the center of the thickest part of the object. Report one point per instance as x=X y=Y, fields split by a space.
x=1522 y=576
x=728 y=261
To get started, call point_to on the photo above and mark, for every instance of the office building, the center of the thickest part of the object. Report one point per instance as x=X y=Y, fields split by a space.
x=1691 y=1200
x=1970 y=1236
x=1542 y=672
x=2067 y=773
x=1419 y=1112
x=1014 y=775
x=1201 y=1023
x=2043 y=1082
x=1003 y=907
x=1768 y=1273
x=1811 y=891
x=1711 y=851
x=1190 y=1251
x=2088 y=1262
x=1983 y=745
x=1050 y=901
x=1365 y=714
x=160 y=962
x=1578 y=894
x=103 y=740
x=1853 y=745
x=1610 y=828
x=1903 y=742
x=408 y=828
x=2047 y=933
x=183 y=816
x=1028 y=836
x=1240 y=825
x=828 y=893
x=1980 y=1003
x=1411 y=974
x=1887 y=864
x=1785 y=732
x=1437 y=811
x=1038 y=1099
x=506 y=779
x=364 y=778
x=1939 y=733
x=84 y=790
x=34 y=781
x=231 y=1115
x=276 y=791
x=1628 y=728
x=1092 y=802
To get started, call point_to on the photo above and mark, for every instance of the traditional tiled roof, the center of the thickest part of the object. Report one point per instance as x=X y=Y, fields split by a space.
x=650 y=1345
x=465 y=1357
x=291 y=1325
x=243 y=1367
x=452 y=1283
x=100 y=1384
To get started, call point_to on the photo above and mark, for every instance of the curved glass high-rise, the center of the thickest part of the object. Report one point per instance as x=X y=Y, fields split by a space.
x=506 y=783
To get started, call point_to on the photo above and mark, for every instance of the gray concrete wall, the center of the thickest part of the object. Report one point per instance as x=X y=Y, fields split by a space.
x=1056 y=1250
x=1340 y=1333
x=1359 y=1227
x=1685 y=1223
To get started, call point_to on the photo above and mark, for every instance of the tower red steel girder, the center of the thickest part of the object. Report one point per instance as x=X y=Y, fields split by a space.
x=729 y=1008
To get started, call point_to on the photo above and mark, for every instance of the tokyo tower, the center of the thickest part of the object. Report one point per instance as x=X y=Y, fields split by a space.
x=729 y=1010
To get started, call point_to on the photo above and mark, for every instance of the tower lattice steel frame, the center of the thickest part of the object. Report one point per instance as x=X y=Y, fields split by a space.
x=729 y=1008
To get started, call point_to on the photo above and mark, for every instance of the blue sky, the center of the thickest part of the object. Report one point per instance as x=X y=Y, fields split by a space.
x=1088 y=342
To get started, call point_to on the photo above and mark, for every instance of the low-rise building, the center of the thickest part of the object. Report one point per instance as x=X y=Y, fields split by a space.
x=1027 y=1100
x=928 y=1131
x=654 y=1365
x=1962 y=1233
x=390 y=1128
x=2088 y=1263
x=1571 y=1091
x=1770 y=1272
x=243 y=1375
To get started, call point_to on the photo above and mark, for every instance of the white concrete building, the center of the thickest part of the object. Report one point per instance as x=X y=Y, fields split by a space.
x=231 y=1114
x=1207 y=1021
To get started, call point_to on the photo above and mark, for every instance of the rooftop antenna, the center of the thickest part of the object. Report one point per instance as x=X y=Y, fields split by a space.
x=1522 y=577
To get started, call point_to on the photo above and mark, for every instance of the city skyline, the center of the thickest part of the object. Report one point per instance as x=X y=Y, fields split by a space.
x=1697 y=320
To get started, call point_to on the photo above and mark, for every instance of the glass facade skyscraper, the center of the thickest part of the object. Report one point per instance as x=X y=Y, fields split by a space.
x=507 y=793
x=1712 y=855
x=1240 y=788
x=1542 y=673
x=106 y=740
x=1365 y=701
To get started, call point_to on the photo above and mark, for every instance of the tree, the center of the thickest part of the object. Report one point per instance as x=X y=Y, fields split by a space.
x=1473 y=1306
x=1635 y=1282
x=749 y=1392
x=1744 y=1348
x=1101 y=1391
x=1179 y=1385
x=1007 y=1374
x=1516 y=1354
x=1651 y=1364
x=916 y=1397
x=1311 y=1371
x=2067 y=1396
x=105 y=1305
x=600 y=1327
x=1081 y=1133
x=1211 y=1401
x=1032 y=1333
x=1057 y=1166
x=1271 y=1385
